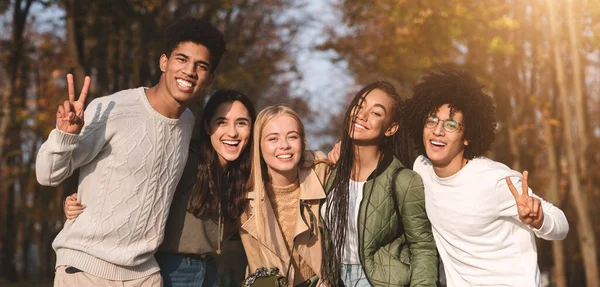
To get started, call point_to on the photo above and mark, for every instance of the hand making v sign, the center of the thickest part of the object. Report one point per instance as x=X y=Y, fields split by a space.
x=69 y=116
x=529 y=207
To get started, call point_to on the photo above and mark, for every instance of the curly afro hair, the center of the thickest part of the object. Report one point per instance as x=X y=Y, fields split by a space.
x=462 y=93
x=190 y=29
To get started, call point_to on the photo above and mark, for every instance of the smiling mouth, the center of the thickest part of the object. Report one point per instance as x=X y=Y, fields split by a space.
x=284 y=156
x=438 y=144
x=360 y=127
x=231 y=145
x=186 y=85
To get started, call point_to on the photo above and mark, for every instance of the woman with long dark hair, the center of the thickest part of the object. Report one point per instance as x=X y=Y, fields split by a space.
x=211 y=194
x=377 y=230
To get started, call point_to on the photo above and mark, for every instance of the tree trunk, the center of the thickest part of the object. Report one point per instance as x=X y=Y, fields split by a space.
x=582 y=131
x=585 y=228
x=72 y=45
x=552 y=195
x=559 y=276
x=10 y=97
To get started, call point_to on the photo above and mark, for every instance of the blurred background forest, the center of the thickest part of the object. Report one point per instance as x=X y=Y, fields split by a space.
x=539 y=59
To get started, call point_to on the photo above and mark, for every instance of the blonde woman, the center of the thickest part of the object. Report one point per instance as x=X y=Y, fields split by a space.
x=286 y=189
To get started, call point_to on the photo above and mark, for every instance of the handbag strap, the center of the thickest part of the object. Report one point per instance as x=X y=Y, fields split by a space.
x=312 y=220
x=287 y=273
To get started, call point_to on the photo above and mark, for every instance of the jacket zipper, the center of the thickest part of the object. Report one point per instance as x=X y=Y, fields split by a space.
x=360 y=242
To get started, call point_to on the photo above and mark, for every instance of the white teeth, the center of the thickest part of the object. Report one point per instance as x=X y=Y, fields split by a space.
x=184 y=83
x=359 y=126
x=284 y=156
x=438 y=143
x=231 y=142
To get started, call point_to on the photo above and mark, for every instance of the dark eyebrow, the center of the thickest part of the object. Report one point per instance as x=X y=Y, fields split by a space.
x=197 y=62
x=238 y=119
x=182 y=55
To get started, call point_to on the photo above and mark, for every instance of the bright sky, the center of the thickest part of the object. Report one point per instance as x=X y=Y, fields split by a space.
x=324 y=83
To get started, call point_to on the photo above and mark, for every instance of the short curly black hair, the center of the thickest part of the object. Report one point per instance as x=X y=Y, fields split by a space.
x=190 y=29
x=461 y=92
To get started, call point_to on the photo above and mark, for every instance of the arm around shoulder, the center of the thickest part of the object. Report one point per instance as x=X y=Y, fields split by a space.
x=320 y=164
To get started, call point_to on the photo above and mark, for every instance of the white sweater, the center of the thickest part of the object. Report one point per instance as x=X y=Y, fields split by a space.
x=131 y=159
x=476 y=226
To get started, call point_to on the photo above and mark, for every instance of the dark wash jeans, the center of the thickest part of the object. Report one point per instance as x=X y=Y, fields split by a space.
x=181 y=270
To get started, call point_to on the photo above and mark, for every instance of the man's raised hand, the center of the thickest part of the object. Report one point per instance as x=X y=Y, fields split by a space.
x=529 y=207
x=69 y=116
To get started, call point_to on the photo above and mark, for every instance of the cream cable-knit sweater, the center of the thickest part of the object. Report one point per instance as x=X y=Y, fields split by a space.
x=131 y=159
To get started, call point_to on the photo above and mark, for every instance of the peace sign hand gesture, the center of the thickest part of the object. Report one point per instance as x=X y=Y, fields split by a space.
x=529 y=208
x=69 y=116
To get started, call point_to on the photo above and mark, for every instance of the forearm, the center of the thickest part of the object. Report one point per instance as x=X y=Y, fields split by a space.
x=423 y=259
x=424 y=263
x=555 y=226
x=54 y=159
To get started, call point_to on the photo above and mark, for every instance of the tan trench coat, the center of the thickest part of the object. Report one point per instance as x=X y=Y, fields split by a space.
x=270 y=249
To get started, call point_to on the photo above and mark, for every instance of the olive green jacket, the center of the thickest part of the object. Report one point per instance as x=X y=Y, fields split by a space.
x=395 y=250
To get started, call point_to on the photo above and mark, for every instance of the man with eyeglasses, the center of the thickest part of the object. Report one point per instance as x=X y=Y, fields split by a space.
x=484 y=216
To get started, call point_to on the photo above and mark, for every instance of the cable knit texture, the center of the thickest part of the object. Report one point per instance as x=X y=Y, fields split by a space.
x=286 y=202
x=131 y=159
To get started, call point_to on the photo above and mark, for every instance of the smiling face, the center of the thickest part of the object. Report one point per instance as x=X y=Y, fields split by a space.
x=281 y=145
x=186 y=72
x=373 y=119
x=443 y=148
x=229 y=130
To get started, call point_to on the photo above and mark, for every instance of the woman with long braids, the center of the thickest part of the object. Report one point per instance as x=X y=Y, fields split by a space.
x=281 y=228
x=377 y=230
x=211 y=194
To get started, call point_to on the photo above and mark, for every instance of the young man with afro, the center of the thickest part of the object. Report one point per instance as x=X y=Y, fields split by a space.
x=484 y=216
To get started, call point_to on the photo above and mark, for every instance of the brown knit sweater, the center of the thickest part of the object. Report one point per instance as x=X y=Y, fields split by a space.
x=286 y=203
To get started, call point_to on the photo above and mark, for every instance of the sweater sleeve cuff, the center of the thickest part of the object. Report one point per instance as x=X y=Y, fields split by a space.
x=545 y=229
x=64 y=139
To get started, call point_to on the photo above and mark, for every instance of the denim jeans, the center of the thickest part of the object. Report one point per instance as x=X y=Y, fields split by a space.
x=353 y=276
x=179 y=270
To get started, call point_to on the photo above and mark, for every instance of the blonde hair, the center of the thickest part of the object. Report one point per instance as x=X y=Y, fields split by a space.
x=258 y=173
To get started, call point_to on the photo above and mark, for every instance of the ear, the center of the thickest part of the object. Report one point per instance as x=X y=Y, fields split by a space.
x=392 y=130
x=163 y=63
x=465 y=142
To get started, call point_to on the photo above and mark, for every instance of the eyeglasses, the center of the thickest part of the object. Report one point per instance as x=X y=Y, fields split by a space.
x=450 y=125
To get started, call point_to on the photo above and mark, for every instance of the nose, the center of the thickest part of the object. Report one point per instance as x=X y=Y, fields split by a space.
x=361 y=114
x=232 y=131
x=285 y=144
x=190 y=69
x=438 y=130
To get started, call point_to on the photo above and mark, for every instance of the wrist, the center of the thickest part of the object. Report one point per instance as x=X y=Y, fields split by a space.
x=537 y=224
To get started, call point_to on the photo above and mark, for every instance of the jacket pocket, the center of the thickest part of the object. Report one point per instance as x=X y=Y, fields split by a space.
x=390 y=265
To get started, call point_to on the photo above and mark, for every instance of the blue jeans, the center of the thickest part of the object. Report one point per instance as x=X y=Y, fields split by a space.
x=180 y=270
x=353 y=276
